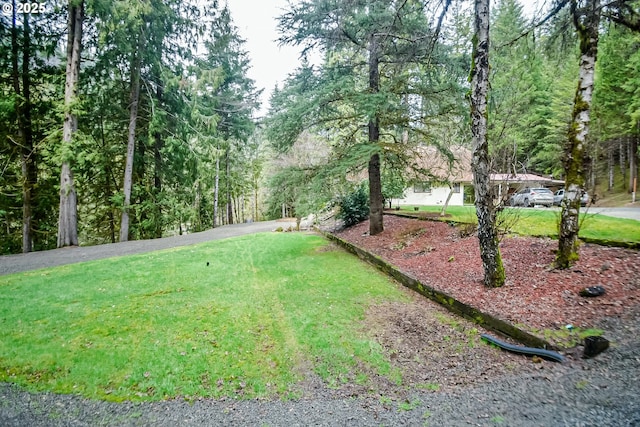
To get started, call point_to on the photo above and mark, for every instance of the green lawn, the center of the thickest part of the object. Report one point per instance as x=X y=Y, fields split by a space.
x=164 y=324
x=544 y=222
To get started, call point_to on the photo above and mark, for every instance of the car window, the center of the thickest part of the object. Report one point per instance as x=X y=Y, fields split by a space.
x=542 y=190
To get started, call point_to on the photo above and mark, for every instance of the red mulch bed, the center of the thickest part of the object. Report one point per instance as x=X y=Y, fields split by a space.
x=535 y=295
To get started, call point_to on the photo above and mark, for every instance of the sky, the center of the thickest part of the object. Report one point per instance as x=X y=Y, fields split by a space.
x=256 y=22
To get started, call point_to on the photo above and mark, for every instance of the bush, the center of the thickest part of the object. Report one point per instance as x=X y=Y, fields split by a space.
x=354 y=207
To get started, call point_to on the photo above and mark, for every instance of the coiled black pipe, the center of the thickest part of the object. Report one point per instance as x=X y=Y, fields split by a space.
x=547 y=354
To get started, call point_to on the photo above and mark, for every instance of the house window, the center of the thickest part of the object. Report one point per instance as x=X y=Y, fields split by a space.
x=456 y=187
x=422 y=187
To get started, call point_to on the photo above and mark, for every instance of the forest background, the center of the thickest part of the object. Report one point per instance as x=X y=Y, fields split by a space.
x=163 y=91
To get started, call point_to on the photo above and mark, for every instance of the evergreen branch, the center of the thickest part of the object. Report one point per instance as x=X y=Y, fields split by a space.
x=559 y=6
x=615 y=11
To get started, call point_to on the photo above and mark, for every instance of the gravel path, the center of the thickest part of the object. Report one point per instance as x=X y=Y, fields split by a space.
x=603 y=391
x=34 y=260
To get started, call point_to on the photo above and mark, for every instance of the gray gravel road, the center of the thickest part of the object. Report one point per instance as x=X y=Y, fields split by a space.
x=603 y=391
x=34 y=260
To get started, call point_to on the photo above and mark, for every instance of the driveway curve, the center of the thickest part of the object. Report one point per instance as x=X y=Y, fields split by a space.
x=628 y=213
x=34 y=260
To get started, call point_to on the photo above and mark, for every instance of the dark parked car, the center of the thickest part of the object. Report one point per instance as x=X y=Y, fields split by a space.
x=532 y=196
x=559 y=195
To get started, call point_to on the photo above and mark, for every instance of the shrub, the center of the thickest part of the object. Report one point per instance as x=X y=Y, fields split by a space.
x=354 y=207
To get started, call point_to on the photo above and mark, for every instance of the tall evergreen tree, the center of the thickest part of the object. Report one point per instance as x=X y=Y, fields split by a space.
x=371 y=49
x=226 y=96
x=21 y=79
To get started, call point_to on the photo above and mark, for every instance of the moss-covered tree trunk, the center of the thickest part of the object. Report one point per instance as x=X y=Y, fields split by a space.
x=586 y=21
x=375 y=184
x=68 y=214
x=489 y=251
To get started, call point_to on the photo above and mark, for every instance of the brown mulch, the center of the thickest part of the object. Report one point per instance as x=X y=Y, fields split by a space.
x=535 y=297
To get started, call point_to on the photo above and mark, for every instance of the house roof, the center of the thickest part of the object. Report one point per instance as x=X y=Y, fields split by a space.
x=428 y=163
x=431 y=164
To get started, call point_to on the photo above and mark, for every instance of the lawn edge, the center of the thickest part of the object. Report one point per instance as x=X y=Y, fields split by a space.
x=459 y=308
x=591 y=240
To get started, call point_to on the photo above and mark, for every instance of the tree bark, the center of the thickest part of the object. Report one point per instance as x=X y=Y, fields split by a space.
x=25 y=131
x=375 y=185
x=586 y=23
x=157 y=170
x=68 y=214
x=229 y=198
x=633 y=161
x=216 y=190
x=622 y=148
x=443 y=211
x=489 y=250
x=255 y=197
x=108 y=187
x=610 y=168
x=131 y=143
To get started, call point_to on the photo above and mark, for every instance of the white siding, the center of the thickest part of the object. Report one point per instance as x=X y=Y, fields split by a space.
x=437 y=196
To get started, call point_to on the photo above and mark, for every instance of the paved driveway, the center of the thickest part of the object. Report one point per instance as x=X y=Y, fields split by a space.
x=629 y=213
x=34 y=260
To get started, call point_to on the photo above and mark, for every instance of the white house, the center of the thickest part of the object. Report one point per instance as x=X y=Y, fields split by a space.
x=437 y=180
x=434 y=178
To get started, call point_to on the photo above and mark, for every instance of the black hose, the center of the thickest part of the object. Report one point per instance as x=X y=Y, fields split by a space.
x=547 y=354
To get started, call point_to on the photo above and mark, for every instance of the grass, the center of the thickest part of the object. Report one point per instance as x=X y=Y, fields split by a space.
x=165 y=325
x=544 y=222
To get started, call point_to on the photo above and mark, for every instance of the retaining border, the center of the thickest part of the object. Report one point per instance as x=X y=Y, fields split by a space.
x=457 y=307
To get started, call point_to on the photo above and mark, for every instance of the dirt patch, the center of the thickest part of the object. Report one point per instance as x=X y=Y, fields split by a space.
x=430 y=350
x=536 y=297
x=436 y=350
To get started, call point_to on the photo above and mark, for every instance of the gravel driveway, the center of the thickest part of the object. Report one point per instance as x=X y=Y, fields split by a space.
x=34 y=260
x=603 y=391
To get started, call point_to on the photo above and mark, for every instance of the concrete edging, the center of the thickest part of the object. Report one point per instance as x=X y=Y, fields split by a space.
x=459 y=308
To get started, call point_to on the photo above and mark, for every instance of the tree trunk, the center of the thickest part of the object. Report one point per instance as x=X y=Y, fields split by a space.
x=216 y=190
x=633 y=161
x=592 y=167
x=131 y=143
x=255 y=198
x=108 y=188
x=489 y=250
x=622 y=148
x=610 y=168
x=446 y=202
x=68 y=215
x=229 y=198
x=25 y=132
x=375 y=185
x=196 y=224
x=157 y=171
x=586 y=23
